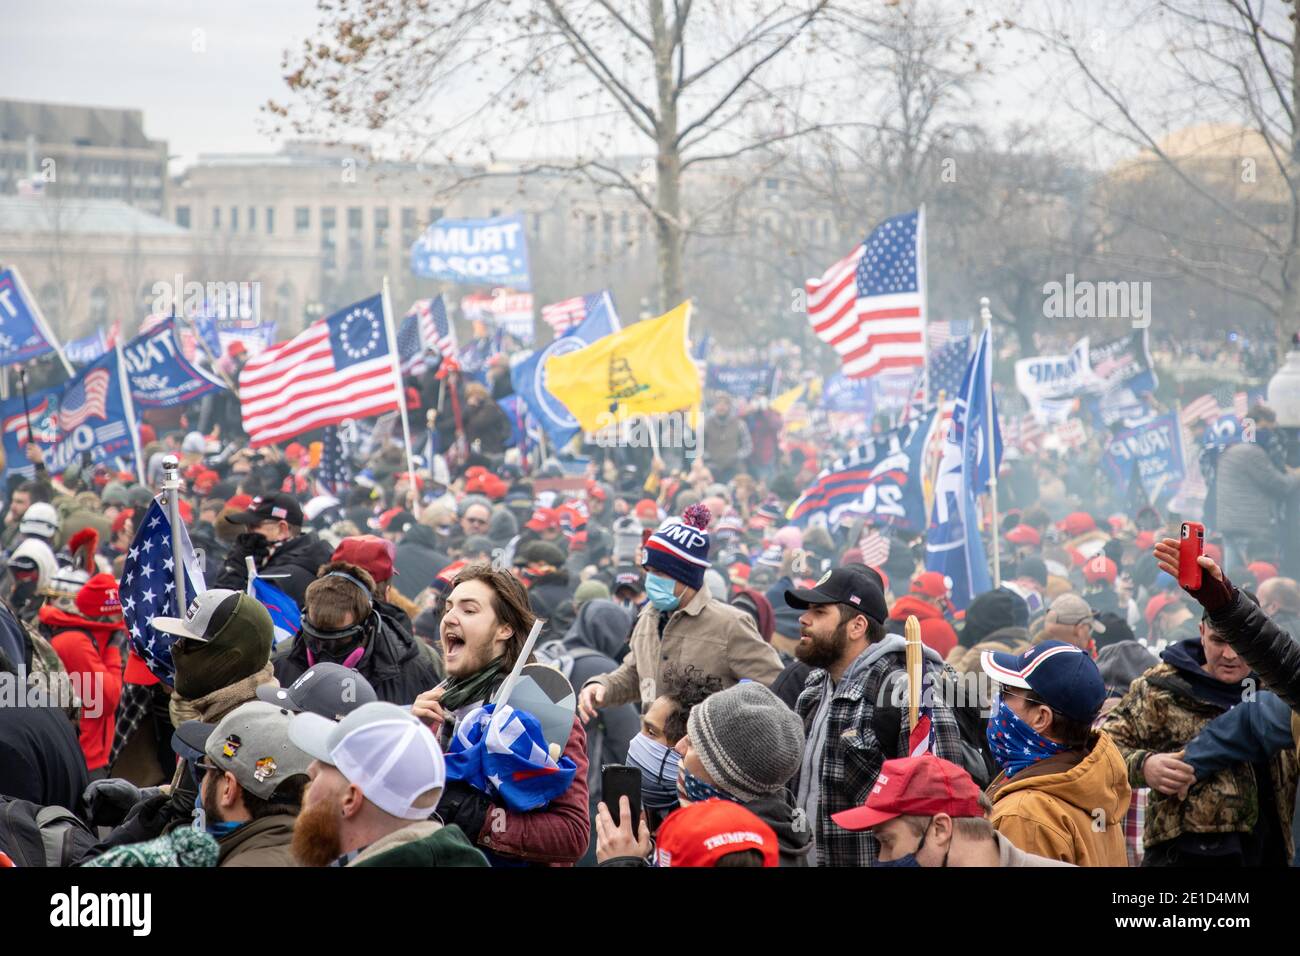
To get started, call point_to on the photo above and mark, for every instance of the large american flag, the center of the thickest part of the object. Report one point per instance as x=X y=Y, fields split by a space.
x=569 y=313
x=87 y=398
x=869 y=305
x=1211 y=407
x=338 y=368
x=148 y=588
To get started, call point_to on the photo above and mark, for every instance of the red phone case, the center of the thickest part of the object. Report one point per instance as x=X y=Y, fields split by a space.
x=1191 y=545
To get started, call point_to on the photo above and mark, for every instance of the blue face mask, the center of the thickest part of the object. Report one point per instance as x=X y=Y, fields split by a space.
x=1016 y=745
x=658 y=765
x=910 y=859
x=660 y=592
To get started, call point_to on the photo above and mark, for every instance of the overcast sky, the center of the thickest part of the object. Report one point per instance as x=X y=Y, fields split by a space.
x=142 y=54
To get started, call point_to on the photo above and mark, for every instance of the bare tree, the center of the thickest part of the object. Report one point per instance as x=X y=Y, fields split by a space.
x=698 y=81
x=1229 y=62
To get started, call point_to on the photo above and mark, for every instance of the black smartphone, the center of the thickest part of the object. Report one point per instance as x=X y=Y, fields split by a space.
x=617 y=780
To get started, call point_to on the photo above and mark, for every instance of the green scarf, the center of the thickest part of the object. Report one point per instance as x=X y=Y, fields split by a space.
x=461 y=691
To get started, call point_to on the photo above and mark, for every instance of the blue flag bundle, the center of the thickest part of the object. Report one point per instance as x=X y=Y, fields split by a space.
x=285 y=616
x=509 y=760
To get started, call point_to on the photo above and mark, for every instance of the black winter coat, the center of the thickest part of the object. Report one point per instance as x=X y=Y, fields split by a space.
x=395 y=665
x=418 y=561
x=299 y=558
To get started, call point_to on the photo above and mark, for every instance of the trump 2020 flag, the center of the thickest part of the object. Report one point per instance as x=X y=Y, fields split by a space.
x=23 y=332
x=159 y=373
x=529 y=375
x=508 y=758
x=148 y=589
x=285 y=616
x=953 y=544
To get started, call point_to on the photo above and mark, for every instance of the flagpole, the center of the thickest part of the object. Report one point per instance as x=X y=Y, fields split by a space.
x=401 y=398
x=27 y=411
x=128 y=407
x=986 y=317
x=925 y=301
x=43 y=325
x=171 y=485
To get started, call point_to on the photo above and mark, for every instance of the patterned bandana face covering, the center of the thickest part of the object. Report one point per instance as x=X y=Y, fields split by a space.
x=658 y=765
x=1014 y=743
x=697 y=790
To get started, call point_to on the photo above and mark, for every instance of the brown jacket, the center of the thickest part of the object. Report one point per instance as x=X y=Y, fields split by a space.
x=262 y=842
x=716 y=638
x=1068 y=807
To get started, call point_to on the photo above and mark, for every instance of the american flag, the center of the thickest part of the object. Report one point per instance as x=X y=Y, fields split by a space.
x=332 y=475
x=569 y=313
x=1213 y=406
x=947 y=366
x=338 y=368
x=874 y=547
x=86 y=398
x=868 y=306
x=939 y=334
x=918 y=741
x=424 y=329
x=1024 y=432
x=149 y=588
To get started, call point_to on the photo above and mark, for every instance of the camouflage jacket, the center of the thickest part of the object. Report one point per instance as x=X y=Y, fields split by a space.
x=47 y=668
x=1160 y=714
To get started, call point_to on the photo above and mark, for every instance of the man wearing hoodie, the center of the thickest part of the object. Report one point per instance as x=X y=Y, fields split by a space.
x=928 y=600
x=89 y=643
x=849 y=707
x=1063 y=792
x=744 y=744
x=1237 y=816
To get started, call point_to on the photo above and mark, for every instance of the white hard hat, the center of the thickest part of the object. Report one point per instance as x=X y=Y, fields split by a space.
x=41 y=520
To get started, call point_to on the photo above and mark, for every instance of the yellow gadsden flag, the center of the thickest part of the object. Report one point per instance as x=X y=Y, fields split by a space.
x=643 y=370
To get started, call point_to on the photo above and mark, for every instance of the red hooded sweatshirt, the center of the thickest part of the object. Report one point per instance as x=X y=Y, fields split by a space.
x=83 y=646
x=936 y=633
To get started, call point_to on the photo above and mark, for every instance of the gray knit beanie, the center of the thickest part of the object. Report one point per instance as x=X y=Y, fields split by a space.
x=749 y=741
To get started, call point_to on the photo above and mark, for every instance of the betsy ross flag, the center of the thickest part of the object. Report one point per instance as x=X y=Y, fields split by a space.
x=148 y=589
x=338 y=368
x=869 y=306
x=570 y=313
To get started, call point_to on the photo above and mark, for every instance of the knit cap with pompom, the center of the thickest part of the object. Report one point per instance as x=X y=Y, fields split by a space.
x=679 y=548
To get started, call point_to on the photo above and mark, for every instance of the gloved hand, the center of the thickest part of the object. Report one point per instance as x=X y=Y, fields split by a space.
x=108 y=801
x=464 y=806
x=250 y=543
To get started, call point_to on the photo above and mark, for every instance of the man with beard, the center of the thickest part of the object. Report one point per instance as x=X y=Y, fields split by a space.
x=483 y=629
x=251 y=784
x=376 y=777
x=850 y=706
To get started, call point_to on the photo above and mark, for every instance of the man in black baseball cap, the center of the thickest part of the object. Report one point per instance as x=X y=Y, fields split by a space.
x=284 y=554
x=326 y=688
x=855 y=699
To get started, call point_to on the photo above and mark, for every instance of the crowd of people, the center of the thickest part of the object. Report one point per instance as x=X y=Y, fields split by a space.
x=1085 y=711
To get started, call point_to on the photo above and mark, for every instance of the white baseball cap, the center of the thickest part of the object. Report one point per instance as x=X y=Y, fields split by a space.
x=40 y=519
x=208 y=613
x=382 y=748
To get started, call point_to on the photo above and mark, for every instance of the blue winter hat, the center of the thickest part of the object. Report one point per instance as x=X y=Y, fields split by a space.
x=680 y=548
x=1062 y=675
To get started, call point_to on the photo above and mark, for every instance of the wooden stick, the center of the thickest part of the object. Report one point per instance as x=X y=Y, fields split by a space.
x=912 y=628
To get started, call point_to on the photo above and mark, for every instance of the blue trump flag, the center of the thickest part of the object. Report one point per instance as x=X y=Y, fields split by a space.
x=92 y=417
x=23 y=332
x=1155 y=449
x=880 y=479
x=953 y=545
x=160 y=374
x=474 y=252
x=285 y=616
x=529 y=376
x=509 y=760
x=41 y=410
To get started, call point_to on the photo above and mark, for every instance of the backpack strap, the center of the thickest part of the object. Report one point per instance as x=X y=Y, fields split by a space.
x=58 y=845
